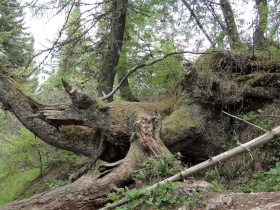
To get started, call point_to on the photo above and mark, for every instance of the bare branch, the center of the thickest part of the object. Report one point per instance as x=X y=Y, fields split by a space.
x=245 y=121
x=130 y=71
x=198 y=21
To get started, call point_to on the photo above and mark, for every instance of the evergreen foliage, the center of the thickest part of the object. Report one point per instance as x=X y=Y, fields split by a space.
x=16 y=45
x=75 y=60
x=23 y=157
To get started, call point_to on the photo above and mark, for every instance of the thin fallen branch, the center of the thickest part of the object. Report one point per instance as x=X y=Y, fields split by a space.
x=245 y=121
x=251 y=145
x=130 y=71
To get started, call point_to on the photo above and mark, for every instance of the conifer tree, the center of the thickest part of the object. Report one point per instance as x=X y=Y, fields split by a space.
x=73 y=57
x=16 y=44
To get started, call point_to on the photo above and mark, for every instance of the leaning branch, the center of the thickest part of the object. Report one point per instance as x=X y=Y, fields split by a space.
x=130 y=71
x=253 y=144
x=245 y=121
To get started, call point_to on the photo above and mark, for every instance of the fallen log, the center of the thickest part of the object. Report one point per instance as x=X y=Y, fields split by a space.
x=242 y=148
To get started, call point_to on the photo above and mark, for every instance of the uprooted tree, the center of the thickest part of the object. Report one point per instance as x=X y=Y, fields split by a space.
x=188 y=120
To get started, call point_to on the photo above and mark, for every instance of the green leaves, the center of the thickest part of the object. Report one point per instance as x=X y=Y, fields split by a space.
x=132 y=194
x=113 y=196
x=155 y=169
x=164 y=195
x=267 y=181
x=152 y=170
x=56 y=183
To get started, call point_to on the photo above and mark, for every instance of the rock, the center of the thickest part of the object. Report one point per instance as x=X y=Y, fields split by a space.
x=222 y=202
x=185 y=207
x=192 y=187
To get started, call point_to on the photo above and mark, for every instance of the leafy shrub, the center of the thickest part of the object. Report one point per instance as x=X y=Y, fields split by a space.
x=267 y=181
x=154 y=169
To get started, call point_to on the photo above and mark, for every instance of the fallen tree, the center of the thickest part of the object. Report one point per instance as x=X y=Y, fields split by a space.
x=247 y=147
x=188 y=120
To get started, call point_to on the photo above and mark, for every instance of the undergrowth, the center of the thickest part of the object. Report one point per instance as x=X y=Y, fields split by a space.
x=165 y=196
x=257 y=171
x=247 y=181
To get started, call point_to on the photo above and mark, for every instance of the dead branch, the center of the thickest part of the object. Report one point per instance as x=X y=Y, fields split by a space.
x=245 y=121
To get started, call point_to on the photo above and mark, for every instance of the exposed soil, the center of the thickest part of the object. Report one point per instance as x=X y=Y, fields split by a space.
x=244 y=201
x=229 y=200
x=256 y=201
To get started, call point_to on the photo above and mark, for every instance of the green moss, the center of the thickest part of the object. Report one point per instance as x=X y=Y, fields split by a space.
x=99 y=102
x=177 y=121
x=123 y=111
x=243 y=78
x=78 y=133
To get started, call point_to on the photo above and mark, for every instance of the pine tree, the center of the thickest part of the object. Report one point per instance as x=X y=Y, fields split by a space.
x=16 y=45
x=75 y=62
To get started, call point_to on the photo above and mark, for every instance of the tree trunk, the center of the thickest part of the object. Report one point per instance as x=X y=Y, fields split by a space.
x=125 y=91
x=231 y=29
x=90 y=192
x=191 y=121
x=258 y=36
x=213 y=161
x=111 y=58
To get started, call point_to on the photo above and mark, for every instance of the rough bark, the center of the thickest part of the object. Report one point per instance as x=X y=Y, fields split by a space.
x=191 y=121
x=111 y=58
x=213 y=161
x=84 y=123
x=90 y=192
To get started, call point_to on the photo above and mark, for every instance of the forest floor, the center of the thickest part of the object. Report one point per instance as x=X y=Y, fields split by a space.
x=243 y=201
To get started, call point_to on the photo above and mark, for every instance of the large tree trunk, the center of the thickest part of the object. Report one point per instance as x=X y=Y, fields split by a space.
x=111 y=58
x=191 y=122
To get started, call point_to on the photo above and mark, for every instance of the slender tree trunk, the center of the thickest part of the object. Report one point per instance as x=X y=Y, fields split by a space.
x=231 y=29
x=125 y=91
x=111 y=58
x=258 y=36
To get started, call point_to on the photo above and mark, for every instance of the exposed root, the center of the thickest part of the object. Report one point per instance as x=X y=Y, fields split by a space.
x=229 y=78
